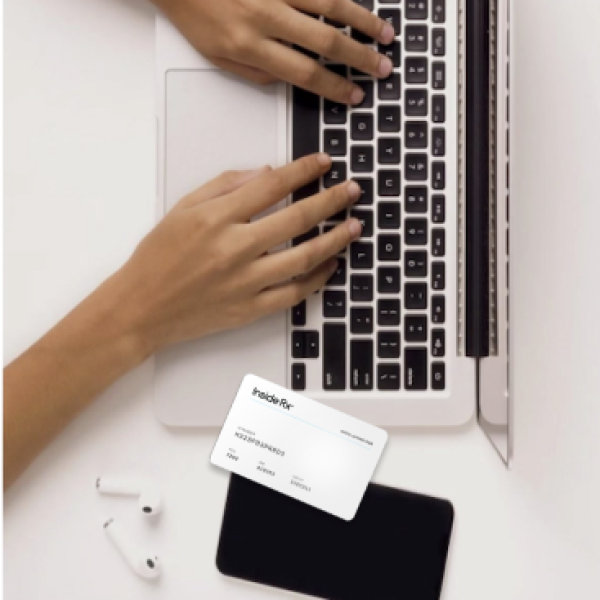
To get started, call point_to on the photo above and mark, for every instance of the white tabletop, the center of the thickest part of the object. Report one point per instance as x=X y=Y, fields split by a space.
x=79 y=193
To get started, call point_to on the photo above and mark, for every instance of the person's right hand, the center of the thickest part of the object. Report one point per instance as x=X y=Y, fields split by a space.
x=252 y=38
x=206 y=266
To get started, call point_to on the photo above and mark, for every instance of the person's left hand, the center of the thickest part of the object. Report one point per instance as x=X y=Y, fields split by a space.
x=252 y=38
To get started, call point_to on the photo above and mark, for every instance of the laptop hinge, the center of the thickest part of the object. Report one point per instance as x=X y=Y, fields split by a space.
x=477 y=179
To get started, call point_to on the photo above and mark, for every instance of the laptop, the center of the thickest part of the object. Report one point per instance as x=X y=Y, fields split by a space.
x=412 y=329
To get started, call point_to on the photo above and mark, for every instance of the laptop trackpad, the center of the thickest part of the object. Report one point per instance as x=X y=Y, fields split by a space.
x=216 y=122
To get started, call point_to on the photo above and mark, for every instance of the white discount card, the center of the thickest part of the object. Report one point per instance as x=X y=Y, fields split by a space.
x=299 y=447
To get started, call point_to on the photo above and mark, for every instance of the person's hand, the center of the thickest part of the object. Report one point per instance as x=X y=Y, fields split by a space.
x=251 y=38
x=206 y=266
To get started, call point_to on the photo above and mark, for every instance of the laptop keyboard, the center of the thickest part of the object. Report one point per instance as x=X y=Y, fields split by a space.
x=381 y=316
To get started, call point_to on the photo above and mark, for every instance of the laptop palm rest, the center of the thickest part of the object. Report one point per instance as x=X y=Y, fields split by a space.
x=197 y=381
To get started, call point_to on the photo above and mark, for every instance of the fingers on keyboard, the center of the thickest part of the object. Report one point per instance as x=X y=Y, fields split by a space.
x=382 y=314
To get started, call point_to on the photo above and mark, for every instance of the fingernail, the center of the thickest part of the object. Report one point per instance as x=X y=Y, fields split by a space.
x=385 y=66
x=353 y=190
x=387 y=34
x=354 y=227
x=324 y=159
x=357 y=95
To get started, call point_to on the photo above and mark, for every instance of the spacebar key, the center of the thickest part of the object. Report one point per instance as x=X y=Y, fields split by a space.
x=334 y=356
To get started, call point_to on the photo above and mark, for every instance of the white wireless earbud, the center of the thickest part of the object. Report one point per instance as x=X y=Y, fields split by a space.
x=144 y=564
x=150 y=501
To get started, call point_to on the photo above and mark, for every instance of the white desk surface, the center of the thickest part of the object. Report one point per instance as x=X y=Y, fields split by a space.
x=79 y=190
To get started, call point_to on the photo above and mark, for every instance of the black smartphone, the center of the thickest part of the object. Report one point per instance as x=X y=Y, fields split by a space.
x=395 y=548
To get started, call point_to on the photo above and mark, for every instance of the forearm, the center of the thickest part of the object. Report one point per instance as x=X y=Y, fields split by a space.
x=49 y=384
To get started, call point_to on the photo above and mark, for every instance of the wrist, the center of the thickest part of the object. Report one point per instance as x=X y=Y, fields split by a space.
x=121 y=320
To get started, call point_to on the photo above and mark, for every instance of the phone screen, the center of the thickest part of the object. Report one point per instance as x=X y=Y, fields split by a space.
x=395 y=547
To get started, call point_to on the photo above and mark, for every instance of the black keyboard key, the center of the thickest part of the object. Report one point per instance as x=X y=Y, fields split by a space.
x=338 y=216
x=438 y=175
x=312 y=344
x=368 y=4
x=388 y=118
x=388 y=182
x=334 y=304
x=438 y=343
x=438 y=242
x=438 y=310
x=416 y=9
x=361 y=126
x=416 y=199
x=415 y=296
x=298 y=344
x=388 y=376
x=366 y=218
x=415 y=263
x=438 y=376
x=438 y=208
x=415 y=38
x=388 y=247
x=438 y=276
x=361 y=320
x=438 y=142
x=334 y=113
x=388 y=215
x=438 y=76
x=367 y=101
x=415 y=166
x=416 y=103
x=359 y=36
x=416 y=134
x=361 y=288
x=305 y=123
x=391 y=16
x=392 y=51
x=415 y=328
x=438 y=42
x=388 y=1
x=415 y=369
x=388 y=344
x=415 y=232
x=358 y=73
x=388 y=151
x=361 y=159
x=388 y=280
x=339 y=275
x=298 y=376
x=361 y=255
x=388 y=313
x=439 y=11
x=335 y=23
x=361 y=364
x=336 y=174
x=334 y=142
x=389 y=88
x=334 y=356
x=415 y=70
x=305 y=237
x=299 y=314
x=341 y=70
x=438 y=104
x=366 y=189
